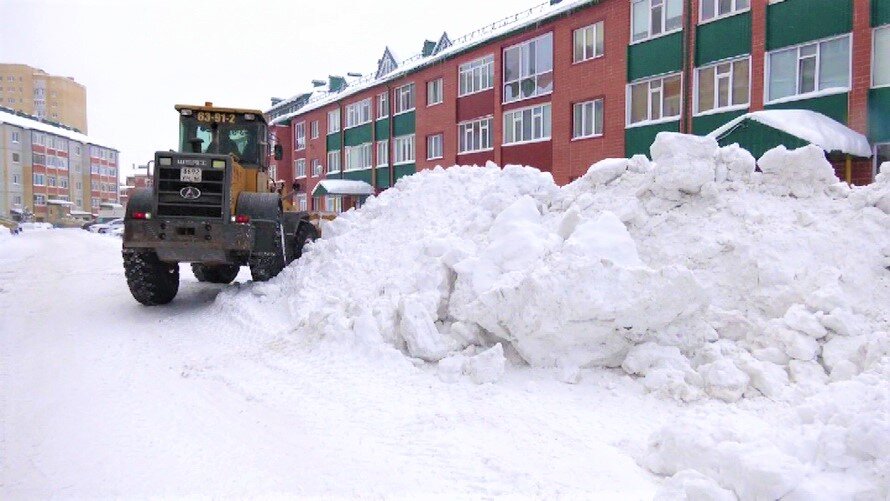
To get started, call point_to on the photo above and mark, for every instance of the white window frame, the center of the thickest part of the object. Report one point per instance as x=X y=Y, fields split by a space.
x=334 y=121
x=358 y=114
x=313 y=129
x=404 y=99
x=476 y=131
x=650 y=121
x=302 y=202
x=41 y=177
x=717 y=108
x=41 y=200
x=596 y=128
x=875 y=156
x=383 y=153
x=664 y=31
x=405 y=149
x=536 y=75
x=333 y=204
x=797 y=96
x=16 y=157
x=476 y=76
x=299 y=136
x=516 y=116
x=734 y=10
x=874 y=56
x=16 y=137
x=382 y=105
x=358 y=157
x=299 y=168
x=435 y=90
x=596 y=27
x=334 y=162
x=15 y=179
x=435 y=146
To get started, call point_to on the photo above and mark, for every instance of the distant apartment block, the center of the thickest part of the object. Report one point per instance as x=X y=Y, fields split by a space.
x=43 y=165
x=47 y=97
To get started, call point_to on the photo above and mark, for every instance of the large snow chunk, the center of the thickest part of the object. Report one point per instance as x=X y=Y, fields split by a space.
x=800 y=173
x=486 y=367
x=683 y=163
x=690 y=485
x=420 y=334
x=724 y=380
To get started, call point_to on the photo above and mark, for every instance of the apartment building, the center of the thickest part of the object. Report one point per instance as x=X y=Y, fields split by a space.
x=48 y=97
x=43 y=164
x=568 y=83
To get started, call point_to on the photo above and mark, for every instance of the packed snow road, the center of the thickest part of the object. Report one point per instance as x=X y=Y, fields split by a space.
x=104 y=397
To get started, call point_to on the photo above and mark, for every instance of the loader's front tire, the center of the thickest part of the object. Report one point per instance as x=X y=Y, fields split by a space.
x=152 y=282
x=219 y=274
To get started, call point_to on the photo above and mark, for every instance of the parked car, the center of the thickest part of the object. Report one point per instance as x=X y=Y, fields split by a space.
x=98 y=220
x=103 y=228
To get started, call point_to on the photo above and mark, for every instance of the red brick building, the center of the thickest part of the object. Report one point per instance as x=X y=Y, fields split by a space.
x=571 y=82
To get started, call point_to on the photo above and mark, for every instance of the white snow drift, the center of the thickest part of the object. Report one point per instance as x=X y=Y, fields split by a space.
x=693 y=272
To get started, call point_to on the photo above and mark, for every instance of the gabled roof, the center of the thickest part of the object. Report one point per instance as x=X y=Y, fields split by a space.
x=443 y=43
x=387 y=64
x=812 y=127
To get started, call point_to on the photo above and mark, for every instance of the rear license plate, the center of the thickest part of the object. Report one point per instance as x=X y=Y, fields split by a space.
x=190 y=175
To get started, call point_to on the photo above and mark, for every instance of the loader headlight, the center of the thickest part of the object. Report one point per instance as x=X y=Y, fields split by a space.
x=219 y=164
x=165 y=161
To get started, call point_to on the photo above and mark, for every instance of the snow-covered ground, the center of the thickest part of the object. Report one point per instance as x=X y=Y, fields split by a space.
x=683 y=329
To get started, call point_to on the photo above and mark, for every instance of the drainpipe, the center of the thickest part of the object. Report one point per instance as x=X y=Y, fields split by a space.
x=686 y=122
x=849 y=170
x=391 y=144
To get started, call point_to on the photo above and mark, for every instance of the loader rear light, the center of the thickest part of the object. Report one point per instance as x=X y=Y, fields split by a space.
x=241 y=219
x=142 y=215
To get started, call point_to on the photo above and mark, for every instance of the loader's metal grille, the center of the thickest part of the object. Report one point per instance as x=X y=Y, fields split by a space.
x=209 y=205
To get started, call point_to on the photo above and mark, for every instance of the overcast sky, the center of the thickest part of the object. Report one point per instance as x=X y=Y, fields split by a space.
x=138 y=58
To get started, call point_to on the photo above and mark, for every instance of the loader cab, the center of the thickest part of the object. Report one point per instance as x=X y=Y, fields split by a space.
x=223 y=131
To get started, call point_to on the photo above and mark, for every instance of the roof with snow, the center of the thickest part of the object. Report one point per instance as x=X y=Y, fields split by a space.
x=34 y=124
x=812 y=127
x=446 y=50
x=342 y=187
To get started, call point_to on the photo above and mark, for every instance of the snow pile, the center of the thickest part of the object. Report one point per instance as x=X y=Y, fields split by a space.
x=693 y=272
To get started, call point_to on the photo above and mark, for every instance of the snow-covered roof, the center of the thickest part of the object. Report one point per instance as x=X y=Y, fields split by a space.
x=506 y=25
x=810 y=126
x=30 y=123
x=342 y=187
x=54 y=201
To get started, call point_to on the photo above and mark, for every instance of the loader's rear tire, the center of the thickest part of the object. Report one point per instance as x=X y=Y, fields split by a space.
x=219 y=274
x=152 y=281
x=266 y=267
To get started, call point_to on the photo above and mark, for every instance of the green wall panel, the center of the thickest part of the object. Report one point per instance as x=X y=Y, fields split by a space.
x=796 y=21
x=333 y=141
x=382 y=177
x=359 y=175
x=758 y=138
x=661 y=55
x=357 y=135
x=880 y=12
x=723 y=38
x=637 y=140
x=381 y=129
x=403 y=124
x=405 y=170
x=879 y=115
x=706 y=123
x=834 y=106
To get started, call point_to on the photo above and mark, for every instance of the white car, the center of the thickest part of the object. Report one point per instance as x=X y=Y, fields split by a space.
x=105 y=228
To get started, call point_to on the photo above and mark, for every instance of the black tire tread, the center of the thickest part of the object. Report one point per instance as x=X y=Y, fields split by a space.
x=151 y=281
